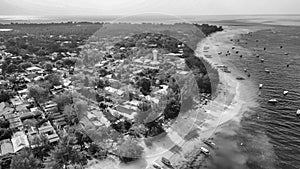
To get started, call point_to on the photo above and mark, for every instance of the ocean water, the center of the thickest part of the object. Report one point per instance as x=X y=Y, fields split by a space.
x=271 y=132
x=156 y=18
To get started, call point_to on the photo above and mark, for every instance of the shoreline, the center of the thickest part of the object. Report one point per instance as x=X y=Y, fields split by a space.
x=230 y=99
x=227 y=106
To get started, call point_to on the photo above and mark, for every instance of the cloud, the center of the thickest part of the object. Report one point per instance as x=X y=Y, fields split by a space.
x=127 y=7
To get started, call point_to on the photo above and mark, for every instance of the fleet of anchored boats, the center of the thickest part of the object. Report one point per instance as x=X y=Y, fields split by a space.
x=273 y=100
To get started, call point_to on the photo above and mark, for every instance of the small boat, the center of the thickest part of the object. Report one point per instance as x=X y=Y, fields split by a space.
x=209 y=143
x=204 y=151
x=285 y=92
x=298 y=113
x=267 y=71
x=245 y=70
x=286 y=53
x=240 y=78
x=262 y=60
x=260 y=86
x=273 y=101
x=257 y=55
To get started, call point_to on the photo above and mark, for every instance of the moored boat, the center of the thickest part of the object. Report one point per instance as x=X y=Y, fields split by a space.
x=273 y=101
x=298 y=113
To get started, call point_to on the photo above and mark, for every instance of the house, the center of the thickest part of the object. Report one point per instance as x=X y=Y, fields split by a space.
x=33 y=69
x=16 y=101
x=38 y=78
x=94 y=119
x=117 y=113
x=173 y=54
x=50 y=107
x=133 y=103
x=128 y=109
x=21 y=107
x=14 y=120
x=181 y=72
x=49 y=132
x=114 y=91
x=162 y=91
x=19 y=141
x=31 y=135
x=57 y=89
x=6 y=147
x=152 y=99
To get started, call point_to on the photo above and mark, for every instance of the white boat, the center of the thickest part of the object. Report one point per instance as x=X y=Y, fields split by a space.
x=273 y=101
x=260 y=86
x=204 y=151
x=267 y=71
x=298 y=112
x=262 y=60
x=285 y=92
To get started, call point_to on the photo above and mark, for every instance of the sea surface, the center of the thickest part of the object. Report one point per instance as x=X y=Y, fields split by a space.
x=276 y=124
x=269 y=133
x=156 y=18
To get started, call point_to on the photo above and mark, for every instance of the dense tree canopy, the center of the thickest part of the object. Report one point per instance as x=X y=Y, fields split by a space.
x=63 y=99
x=38 y=93
x=65 y=153
x=129 y=150
x=25 y=160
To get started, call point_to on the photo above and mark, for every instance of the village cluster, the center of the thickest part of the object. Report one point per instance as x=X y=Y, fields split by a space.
x=71 y=92
x=119 y=87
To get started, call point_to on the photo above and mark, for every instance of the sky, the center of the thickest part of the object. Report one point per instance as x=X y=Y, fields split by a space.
x=133 y=7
